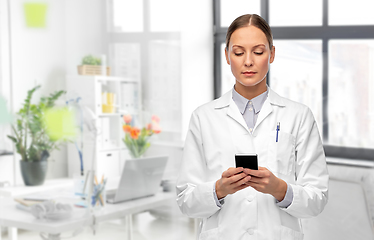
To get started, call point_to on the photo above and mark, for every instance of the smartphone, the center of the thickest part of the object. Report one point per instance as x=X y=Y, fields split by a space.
x=246 y=161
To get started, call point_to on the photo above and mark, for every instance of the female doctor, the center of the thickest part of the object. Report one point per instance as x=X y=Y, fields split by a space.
x=292 y=180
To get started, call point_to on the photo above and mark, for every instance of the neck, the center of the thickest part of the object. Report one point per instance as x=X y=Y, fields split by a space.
x=250 y=92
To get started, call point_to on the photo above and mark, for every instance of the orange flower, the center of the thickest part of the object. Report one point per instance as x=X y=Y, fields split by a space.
x=134 y=133
x=127 y=119
x=126 y=128
x=149 y=126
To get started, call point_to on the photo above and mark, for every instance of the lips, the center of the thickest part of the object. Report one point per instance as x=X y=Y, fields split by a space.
x=248 y=73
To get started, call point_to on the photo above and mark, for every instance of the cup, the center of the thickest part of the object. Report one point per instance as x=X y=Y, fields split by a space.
x=98 y=198
x=108 y=100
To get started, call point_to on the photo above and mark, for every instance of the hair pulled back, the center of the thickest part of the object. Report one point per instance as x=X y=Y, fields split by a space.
x=250 y=20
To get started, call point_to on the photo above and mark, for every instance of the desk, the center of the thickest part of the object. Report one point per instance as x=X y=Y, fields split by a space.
x=19 y=190
x=14 y=218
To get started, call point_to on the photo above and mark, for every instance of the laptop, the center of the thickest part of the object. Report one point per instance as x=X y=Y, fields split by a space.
x=140 y=178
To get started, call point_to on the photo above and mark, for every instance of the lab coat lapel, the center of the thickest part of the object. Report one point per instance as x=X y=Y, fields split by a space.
x=273 y=100
x=267 y=109
x=234 y=113
x=232 y=110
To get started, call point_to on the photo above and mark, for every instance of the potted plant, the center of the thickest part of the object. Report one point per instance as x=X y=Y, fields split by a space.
x=31 y=138
x=92 y=66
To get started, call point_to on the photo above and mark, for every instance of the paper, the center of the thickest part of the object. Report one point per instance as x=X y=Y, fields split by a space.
x=60 y=123
x=35 y=14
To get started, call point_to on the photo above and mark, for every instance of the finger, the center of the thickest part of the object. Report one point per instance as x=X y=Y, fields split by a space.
x=261 y=172
x=240 y=184
x=242 y=181
x=256 y=186
x=231 y=171
x=255 y=180
x=251 y=172
x=240 y=187
x=234 y=179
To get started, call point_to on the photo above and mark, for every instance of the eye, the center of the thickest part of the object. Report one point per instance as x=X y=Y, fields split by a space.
x=238 y=54
x=259 y=53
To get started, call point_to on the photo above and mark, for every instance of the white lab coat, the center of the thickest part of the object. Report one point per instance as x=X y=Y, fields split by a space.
x=216 y=133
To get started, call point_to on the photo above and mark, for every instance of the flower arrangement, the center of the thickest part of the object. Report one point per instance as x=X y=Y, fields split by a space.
x=136 y=139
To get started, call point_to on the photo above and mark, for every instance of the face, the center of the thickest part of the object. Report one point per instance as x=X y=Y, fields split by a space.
x=249 y=56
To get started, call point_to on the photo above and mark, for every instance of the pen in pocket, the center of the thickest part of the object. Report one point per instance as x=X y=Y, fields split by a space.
x=278 y=128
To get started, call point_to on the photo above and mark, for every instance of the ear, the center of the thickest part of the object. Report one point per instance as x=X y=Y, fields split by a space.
x=272 y=54
x=227 y=56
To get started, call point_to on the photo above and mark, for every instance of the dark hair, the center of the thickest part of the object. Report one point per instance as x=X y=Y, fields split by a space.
x=248 y=20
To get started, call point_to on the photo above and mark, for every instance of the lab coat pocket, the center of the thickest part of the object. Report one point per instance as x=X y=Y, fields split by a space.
x=281 y=153
x=211 y=234
x=288 y=233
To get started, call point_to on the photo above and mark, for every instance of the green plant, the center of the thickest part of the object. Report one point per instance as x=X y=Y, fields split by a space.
x=91 y=60
x=30 y=135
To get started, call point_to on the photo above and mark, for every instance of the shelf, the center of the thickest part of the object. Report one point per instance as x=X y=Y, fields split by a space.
x=116 y=79
x=112 y=149
x=110 y=115
x=115 y=114
x=5 y=153
x=104 y=78
x=109 y=143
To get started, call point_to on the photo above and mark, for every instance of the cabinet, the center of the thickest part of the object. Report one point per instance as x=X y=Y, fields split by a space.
x=108 y=99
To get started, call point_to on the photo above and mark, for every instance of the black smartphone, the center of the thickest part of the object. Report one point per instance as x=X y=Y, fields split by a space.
x=246 y=161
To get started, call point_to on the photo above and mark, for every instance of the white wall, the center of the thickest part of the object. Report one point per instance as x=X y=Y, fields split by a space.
x=197 y=57
x=85 y=31
x=38 y=57
x=46 y=55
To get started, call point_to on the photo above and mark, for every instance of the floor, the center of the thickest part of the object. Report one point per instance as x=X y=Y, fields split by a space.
x=146 y=226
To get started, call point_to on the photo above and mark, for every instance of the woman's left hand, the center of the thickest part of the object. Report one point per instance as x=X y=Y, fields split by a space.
x=266 y=182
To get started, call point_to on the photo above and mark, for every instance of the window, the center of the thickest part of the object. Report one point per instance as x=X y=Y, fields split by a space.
x=231 y=9
x=126 y=18
x=295 y=13
x=360 y=12
x=331 y=56
x=351 y=74
x=144 y=45
x=304 y=83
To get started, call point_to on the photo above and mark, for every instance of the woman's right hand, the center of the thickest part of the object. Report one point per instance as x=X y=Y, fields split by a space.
x=231 y=181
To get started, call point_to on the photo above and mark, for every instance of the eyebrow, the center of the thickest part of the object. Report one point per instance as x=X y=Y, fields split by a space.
x=258 y=45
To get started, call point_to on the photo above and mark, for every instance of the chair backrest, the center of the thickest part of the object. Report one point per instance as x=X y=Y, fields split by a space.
x=349 y=212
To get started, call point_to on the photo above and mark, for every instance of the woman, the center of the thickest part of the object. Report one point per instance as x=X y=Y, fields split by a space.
x=292 y=180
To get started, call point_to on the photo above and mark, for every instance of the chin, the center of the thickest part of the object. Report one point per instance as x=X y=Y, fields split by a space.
x=251 y=83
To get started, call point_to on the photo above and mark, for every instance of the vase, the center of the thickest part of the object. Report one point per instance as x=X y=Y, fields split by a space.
x=34 y=173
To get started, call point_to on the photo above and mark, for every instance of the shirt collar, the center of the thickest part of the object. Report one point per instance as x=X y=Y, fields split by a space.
x=242 y=102
x=226 y=99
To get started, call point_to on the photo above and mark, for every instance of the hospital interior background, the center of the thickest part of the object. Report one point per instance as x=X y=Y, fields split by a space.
x=173 y=53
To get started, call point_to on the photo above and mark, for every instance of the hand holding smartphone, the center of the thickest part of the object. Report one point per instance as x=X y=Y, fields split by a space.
x=246 y=161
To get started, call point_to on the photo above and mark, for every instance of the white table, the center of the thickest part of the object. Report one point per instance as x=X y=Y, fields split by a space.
x=19 y=190
x=12 y=217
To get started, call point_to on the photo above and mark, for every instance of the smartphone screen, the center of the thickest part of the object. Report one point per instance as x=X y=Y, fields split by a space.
x=246 y=161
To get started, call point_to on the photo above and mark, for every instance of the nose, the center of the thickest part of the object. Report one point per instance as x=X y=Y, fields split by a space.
x=248 y=61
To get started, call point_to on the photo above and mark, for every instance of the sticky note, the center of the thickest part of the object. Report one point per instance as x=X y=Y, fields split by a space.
x=60 y=123
x=35 y=14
